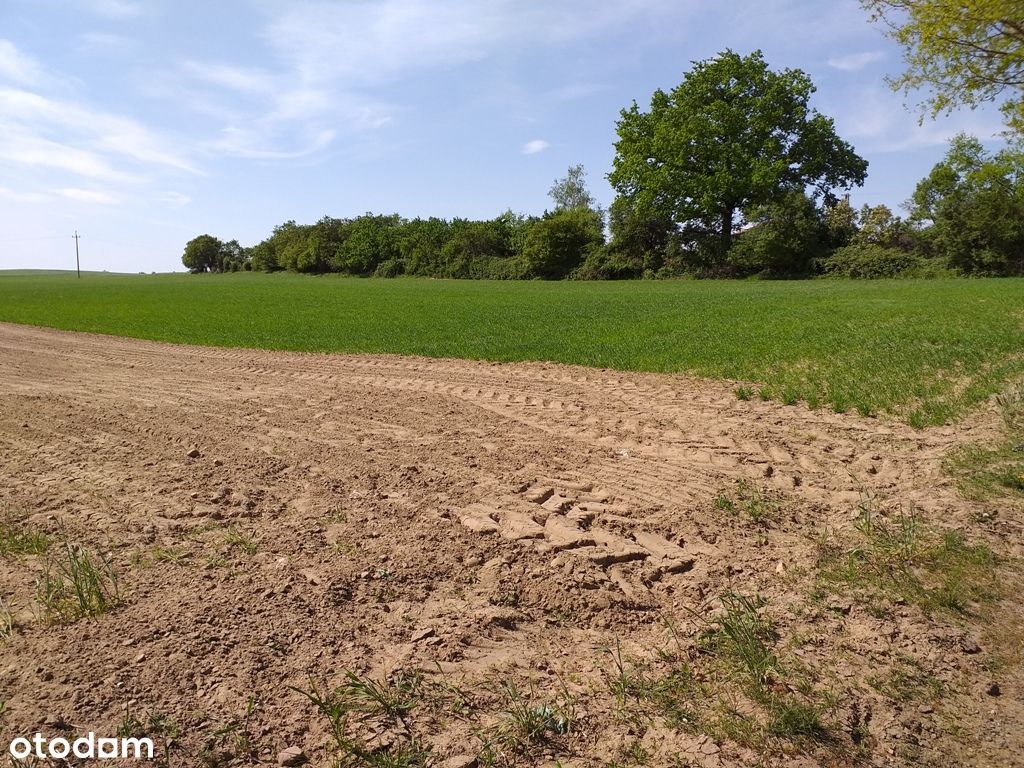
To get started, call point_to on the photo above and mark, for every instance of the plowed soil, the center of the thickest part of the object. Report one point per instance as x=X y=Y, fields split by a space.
x=276 y=520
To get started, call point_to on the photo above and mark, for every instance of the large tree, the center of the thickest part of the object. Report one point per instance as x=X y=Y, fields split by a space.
x=203 y=254
x=964 y=53
x=733 y=135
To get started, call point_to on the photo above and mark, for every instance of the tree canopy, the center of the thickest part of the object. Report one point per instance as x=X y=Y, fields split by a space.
x=732 y=136
x=974 y=201
x=571 y=191
x=964 y=53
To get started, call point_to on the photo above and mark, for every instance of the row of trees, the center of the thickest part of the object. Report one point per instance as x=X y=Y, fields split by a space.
x=731 y=173
x=966 y=217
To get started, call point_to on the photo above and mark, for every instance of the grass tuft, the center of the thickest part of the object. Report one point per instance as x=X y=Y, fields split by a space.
x=75 y=584
x=902 y=559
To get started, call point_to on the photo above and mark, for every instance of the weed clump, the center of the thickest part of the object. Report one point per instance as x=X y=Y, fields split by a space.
x=76 y=584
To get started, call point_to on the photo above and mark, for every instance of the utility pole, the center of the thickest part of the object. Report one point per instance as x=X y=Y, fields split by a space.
x=78 y=265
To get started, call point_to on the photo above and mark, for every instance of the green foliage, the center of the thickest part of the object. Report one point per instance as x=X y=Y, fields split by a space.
x=926 y=350
x=639 y=241
x=975 y=203
x=760 y=506
x=785 y=238
x=878 y=226
x=732 y=136
x=570 y=192
x=208 y=254
x=366 y=242
x=840 y=221
x=390 y=268
x=963 y=53
x=201 y=253
x=869 y=261
x=558 y=243
x=529 y=722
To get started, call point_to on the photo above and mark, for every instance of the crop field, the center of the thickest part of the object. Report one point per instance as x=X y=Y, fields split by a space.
x=925 y=350
x=644 y=524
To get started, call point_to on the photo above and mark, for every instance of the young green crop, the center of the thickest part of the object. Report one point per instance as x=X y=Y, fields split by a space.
x=925 y=350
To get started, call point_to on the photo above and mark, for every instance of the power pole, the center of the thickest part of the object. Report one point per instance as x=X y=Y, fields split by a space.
x=78 y=265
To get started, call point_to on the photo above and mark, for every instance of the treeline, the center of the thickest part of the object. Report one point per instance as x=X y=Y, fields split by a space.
x=966 y=217
x=730 y=174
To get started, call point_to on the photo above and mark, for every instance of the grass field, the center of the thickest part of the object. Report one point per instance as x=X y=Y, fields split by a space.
x=925 y=350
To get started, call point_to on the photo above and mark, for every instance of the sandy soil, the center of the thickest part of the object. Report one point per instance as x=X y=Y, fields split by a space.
x=485 y=524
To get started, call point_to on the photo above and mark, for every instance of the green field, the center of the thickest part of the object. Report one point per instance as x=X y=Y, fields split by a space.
x=926 y=350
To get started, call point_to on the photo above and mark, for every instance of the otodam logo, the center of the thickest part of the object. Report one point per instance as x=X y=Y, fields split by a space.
x=87 y=747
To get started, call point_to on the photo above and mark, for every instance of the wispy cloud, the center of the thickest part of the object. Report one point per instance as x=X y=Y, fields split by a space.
x=535 y=147
x=245 y=80
x=875 y=119
x=93 y=196
x=25 y=149
x=16 y=66
x=22 y=197
x=328 y=60
x=855 y=62
x=84 y=133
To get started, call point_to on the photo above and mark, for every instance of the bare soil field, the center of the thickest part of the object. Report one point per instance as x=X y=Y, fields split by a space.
x=376 y=560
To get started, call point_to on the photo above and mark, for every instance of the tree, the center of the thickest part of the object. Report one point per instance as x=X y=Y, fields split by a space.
x=639 y=242
x=560 y=242
x=840 y=223
x=203 y=254
x=965 y=53
x=974 y=201
x=733 y=135
x=571 y=192
x=369 y=240
x=879 y=226
x=787 y=236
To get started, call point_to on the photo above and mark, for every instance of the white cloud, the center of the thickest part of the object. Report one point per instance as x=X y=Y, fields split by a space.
x=87 y=196
x=242 y=79
x=84 y=131
x=855 y=62
x=535 y=147
x=22 y=148
x=256 y=143
x=876 y=120
x=16 y=66
x=22 y=197
x=326 y=59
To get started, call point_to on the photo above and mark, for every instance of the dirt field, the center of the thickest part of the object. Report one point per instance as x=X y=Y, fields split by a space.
x=494 y=543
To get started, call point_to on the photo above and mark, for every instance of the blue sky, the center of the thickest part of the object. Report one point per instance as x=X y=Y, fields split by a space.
x=144 y=123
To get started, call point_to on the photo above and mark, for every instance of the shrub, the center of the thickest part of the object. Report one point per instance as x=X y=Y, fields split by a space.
x=870 y=262
x=561 y=241
x=390 y=268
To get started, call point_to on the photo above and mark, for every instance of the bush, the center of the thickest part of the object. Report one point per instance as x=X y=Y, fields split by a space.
x=872 y=262
x=390 y=268
x=560 y=242
x=783 y=240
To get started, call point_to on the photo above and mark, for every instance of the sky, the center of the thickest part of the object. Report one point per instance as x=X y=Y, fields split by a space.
x=143 y=123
